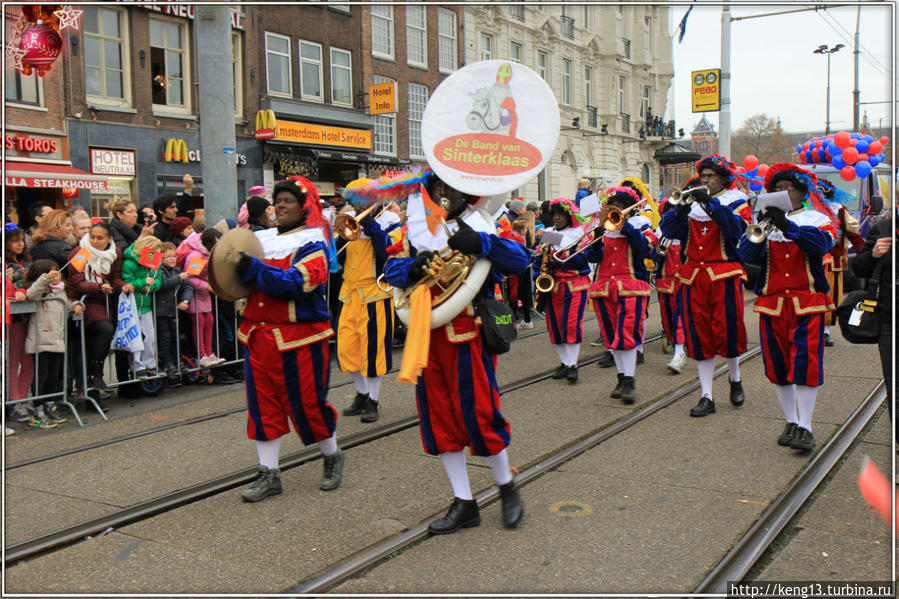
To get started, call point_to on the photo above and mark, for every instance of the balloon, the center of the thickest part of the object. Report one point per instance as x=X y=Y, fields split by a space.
x=862 y=156
x=834 y=149
x=763 y=170
x=862 y=168
x=822 y=155
x=802 y=158
x=874 y=160
x=740 y=169
x=850 y=155
x=842 y=140
x=750 y=162
x=884 y=140
x=838 y=162
x=798 y=149
x=861 y=146
x=847 y=173
x=868 y=138
x=753 y=186
x=855 y=136
x=875 y=147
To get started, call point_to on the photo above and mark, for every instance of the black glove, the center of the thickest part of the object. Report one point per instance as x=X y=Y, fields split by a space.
x=465 y=240
x=417 y=270
x=366 y=220
x=777 y=217
x=244 y=264
x=701 y=195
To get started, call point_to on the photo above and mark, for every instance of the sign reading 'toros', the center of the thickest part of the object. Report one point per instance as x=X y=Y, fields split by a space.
x=490 y=127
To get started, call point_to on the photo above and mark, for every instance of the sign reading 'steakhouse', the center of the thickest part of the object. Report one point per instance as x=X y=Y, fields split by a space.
x=490 y=127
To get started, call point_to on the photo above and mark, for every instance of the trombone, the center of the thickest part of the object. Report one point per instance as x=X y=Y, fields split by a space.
x=611 y=219
x=347 y=227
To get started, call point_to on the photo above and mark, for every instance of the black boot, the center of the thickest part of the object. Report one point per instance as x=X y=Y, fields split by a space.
x=359 y=403
x=572 y=374
x=561 y=372
x=737 y=397
x=627 y=389
x=463 y=513
x=513 y=506
x=606 y=360
x=705 y=407
x=616 y=393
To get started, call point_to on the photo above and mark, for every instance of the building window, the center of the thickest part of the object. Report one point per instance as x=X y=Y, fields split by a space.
x=22 y=89
x=486 y=47
x=541 y=65
x=237 y=71
x=277 y=64
x=106 y=76
x=311 y=71
x=385 y=126
x=382 y=31
x=517 y=12
x=644 y=102
x=446 y=40
x=418 y=98
x=566 y=81
x=626 y=47
x=588 y=86
x=339 y=6
x=650 y=44
x=515 y=52
x=416 y=36
x=622 y=85
x=341 y=77
x=168 y=63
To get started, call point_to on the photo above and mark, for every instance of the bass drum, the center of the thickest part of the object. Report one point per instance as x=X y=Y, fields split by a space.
x=449 y=309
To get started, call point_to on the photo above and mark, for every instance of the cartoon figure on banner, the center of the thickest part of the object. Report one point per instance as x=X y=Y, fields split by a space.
x=493 y=110
x=35 y=43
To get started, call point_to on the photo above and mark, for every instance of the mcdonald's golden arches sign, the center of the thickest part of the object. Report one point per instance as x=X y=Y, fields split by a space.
x=266 y=124
x=175 y=150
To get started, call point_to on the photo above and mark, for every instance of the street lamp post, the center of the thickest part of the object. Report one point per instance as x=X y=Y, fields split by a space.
x=823 y=49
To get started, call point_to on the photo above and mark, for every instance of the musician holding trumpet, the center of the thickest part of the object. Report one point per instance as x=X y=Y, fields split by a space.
x=709 y=222
x=621 y=291
x=793 y=301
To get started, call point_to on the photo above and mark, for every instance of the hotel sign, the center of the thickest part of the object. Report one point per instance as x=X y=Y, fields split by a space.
x=323 y=135
x=112 y=162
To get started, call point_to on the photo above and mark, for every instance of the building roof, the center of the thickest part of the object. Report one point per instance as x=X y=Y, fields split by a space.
x=703 y=126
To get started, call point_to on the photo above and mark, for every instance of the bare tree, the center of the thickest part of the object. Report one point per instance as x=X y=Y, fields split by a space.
x=763 y=137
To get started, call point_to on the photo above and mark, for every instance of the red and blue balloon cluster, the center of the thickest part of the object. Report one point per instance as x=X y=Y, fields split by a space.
x=753 y=172
x=855 y=155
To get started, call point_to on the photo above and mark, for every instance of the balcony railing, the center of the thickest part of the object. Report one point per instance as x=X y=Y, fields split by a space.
x=517 y=13
x=625 y=120
x=592 y=118
x=626 y=47
x=568 y=27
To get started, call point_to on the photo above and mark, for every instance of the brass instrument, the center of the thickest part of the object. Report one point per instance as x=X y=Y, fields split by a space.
x=684 y=197
x=347 y=227
x=757 y=233
x=611 y=219
x=544 y=282
x=664 y=245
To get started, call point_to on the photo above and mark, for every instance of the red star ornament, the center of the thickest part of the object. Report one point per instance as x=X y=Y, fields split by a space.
x=16 y=29
x=68 y=17
x=14 y=56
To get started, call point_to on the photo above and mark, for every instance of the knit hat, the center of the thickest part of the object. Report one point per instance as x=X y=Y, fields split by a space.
x=256 y=207
x=533 y=207
x=517 y=206
x=805 y=181
x=178 y=224
x=720 y=165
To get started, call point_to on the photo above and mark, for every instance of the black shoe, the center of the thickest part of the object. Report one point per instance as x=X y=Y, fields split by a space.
x=616 y=392
x=97 y=383
x=513 y=507
x=705 y=407
x=267 y=483
x=463 y=513
x=828 y=340
x=370 y=412
x=358 y=405
x=788 y=435
x=561 y=372
x=628 y=384
x=737 y=397
x=640 y=358
x=223 y=378
x=606 y=360
x=572 y=374
x=804 y=440
x=333 y=471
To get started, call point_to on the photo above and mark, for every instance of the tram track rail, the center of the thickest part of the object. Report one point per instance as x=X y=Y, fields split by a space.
x=75 y=533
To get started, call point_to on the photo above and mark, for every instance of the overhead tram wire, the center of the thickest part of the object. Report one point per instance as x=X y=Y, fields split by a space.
x=866 y=54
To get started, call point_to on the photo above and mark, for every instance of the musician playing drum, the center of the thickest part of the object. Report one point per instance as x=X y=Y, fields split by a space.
x=457 y=393
x=566 y=301
x=793 y=300
x=711 y=293
x=620 y=292
x=285 y=333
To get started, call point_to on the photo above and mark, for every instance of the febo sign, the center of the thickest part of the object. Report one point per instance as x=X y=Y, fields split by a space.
x=112 y=162
x=490 y=127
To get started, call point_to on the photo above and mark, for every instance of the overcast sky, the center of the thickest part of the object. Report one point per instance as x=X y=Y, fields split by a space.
x=774 y=70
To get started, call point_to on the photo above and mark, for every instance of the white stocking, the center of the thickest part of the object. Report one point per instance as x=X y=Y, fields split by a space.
x=733 y=365
x=805 y=404
x=706 y=375
x=500 y=465
x=454 y=464
x=268 y=452
x=329 y=445
x=360 y=382
x=374 y=386
x=786 y=395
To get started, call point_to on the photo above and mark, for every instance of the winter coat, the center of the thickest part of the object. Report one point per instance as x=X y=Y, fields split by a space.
x=52 y=248
x=136 y=275
x=167 y=298
x=161 y=232
x=19 y=272
x=202 y=300
x=95 y=301
x=46 y=328
x=122 y=234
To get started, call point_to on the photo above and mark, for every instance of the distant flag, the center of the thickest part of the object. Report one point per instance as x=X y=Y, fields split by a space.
x=79 y=260
x=683 y=24
x=195 y=266
x=434 y=214
x=150 y=258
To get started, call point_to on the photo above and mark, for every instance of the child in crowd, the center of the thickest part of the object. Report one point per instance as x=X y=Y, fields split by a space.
x=46 y=337
x=146 y=282
x=21 y=364
x=522 y=283
x=200 y=306
x=173 y=292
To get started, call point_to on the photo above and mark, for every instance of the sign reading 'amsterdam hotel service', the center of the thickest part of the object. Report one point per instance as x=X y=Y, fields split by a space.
x=323 y=135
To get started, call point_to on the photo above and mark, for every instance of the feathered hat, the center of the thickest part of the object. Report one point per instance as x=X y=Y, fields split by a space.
x=804 y=180
x=643 y=190
x=720 y=165
x=568 y=207
x=622 y=195
x=364 y=192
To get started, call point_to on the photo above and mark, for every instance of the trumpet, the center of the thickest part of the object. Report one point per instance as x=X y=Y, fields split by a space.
x=683 y=197
x=544 y=281
x=664 y=245
x=611 y=219
x=757 y=233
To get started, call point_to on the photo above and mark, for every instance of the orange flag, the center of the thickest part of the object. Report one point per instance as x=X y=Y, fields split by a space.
x=150 y=258
x=875 y=489
x=195 y=266
x=79 y=260
x=434 y=214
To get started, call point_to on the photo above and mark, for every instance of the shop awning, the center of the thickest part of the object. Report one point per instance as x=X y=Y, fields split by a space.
x=51 y=176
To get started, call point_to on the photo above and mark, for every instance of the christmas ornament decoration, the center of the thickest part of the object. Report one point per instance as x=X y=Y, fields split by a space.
x=68 y=17
x=34 y=40
x=42 y=46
